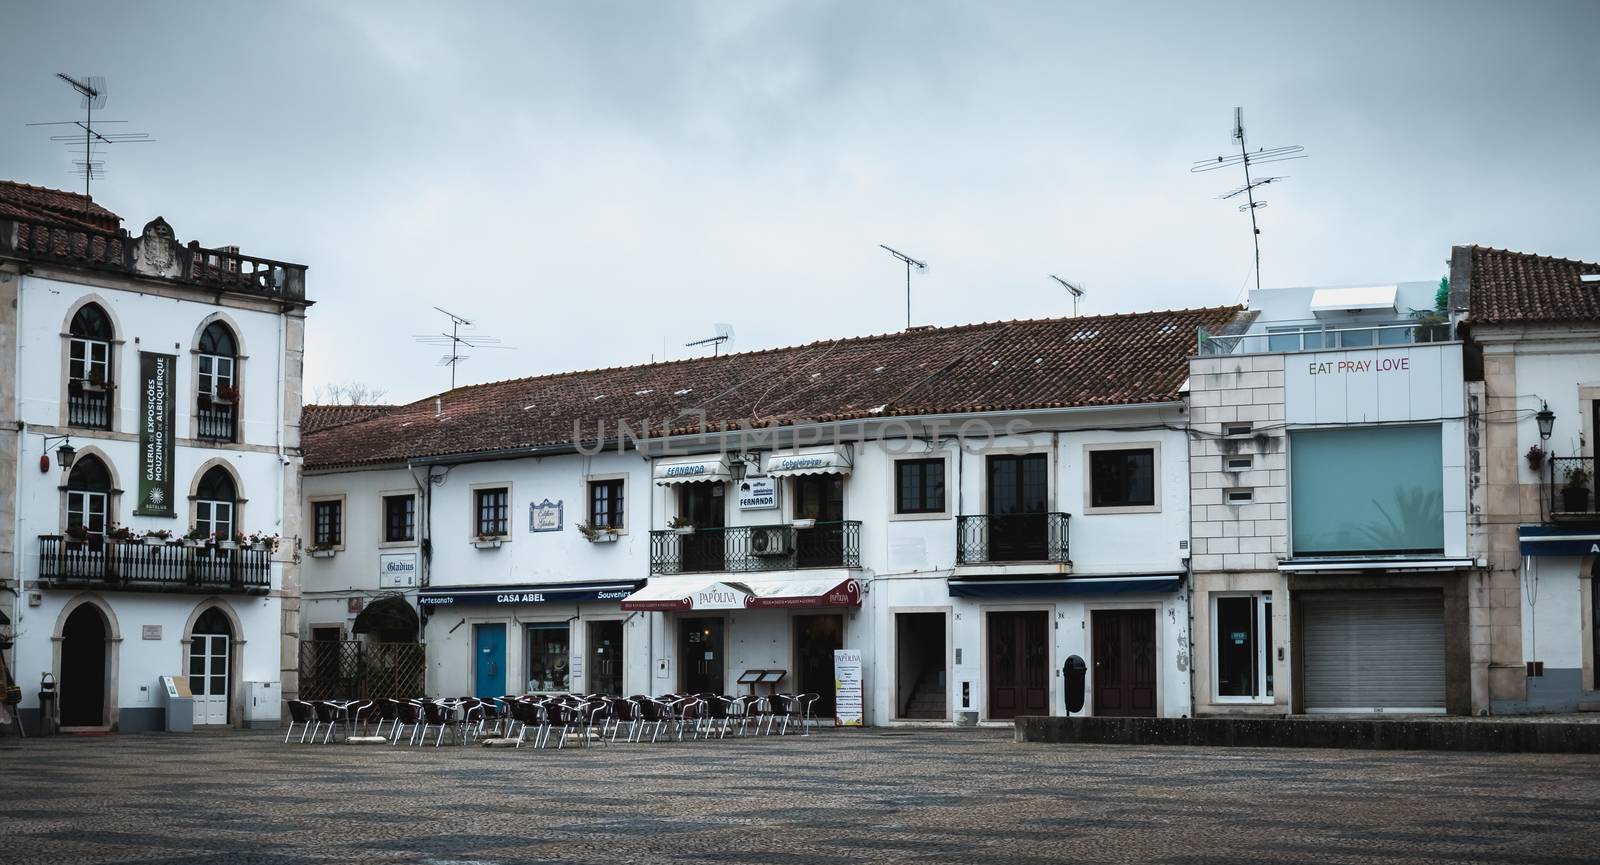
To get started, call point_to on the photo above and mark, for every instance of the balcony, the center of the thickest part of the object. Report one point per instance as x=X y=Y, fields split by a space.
x=88 y=408
x=1572 y=497
x=1290 y=337
x=744 y=549
x=97 y=563
x=215 y=420
x=983 y=539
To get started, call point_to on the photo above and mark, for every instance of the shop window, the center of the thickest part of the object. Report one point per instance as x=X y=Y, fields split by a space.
x=605 y=504
x=919 y=486
x=399 y=519
x=1241 y=627
x=1122 y=478
x=1367 y=490
x=327 y=523
x=547 y=657
x=493 y=508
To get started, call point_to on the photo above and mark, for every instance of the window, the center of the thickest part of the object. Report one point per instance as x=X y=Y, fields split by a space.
x=494 y=512
x=1366 y=490
x=1241 y=627
x=214 y=504
x=1239 y=496
x=1237 y=430
x=399 y=519
x=1239 y=464
x=89 y=378
x=919 y=486
x=1122 y=478
x=605 y=504
x=217 y=393
x=327 y=523
x=547 y=657
x=88 y=496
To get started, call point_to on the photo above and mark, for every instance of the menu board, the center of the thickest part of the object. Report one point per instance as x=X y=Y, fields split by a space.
x=847 y=688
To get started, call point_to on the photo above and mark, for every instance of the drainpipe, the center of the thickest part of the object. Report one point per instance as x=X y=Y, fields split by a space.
x=18 y=588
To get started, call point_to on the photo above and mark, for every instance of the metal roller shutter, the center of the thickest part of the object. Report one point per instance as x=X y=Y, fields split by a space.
x=1373 y=654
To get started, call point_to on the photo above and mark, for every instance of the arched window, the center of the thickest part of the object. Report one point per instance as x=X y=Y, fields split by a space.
x=89 y=374
x=88 y=496
x=218 y=391
x=216 y=501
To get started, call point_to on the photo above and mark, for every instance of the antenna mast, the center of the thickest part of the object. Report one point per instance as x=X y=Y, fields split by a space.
x=456 y=340
x=724 y=333
x=921 y=266
x=1245 y=159
x=93 y=91
x=1077 y=292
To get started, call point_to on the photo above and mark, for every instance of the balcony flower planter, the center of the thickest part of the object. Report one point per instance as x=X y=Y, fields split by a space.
x=323 y=554
x=682 y=530
x=604 y=538
x=154 y=541
x=487 y=543
x=228 y=545
x=805 y=524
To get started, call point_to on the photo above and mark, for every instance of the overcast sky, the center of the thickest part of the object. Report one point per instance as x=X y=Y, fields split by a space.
x=597 y=184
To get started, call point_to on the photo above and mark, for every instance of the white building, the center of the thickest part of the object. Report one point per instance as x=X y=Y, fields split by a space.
x=967 y=507
x=1329 y=509
x=171 y=375
x=1533 y=333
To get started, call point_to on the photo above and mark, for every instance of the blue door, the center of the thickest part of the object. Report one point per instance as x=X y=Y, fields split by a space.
x=489 y=666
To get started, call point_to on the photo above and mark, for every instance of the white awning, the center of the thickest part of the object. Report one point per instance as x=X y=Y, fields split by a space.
x=692 y=470
x=678 y=594
x=1354 y=299
x=810 y=461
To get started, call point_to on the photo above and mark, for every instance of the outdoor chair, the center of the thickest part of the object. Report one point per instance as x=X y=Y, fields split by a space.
x=443 y=716
x=327 y=714
x=408 y=713
x=383 y=711
x=689 y=713
x=653 y=714
x=807 y=703
x=526 y=714
x=302 y=713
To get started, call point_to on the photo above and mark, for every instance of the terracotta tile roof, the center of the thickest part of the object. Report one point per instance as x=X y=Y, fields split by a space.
x=54 y=206
x=1047 y=363
x=1508 y=287
x=320 y=417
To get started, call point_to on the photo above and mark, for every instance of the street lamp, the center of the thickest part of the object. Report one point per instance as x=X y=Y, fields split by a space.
x=64 y=454
x=1546 y=420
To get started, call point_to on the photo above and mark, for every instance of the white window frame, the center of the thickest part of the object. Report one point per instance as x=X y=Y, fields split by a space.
x=1265 y=652
x=588 y=499
x=212 y=380
x=219 y=519
x=83 y=502
x=1155 y=477
x=91 y=365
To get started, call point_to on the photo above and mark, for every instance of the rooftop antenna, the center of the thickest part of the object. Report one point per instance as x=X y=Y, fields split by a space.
x=724 y=333
x=1076 y=290
x=921 y=266
x=455 y=339
x=1246 y=159
x=93 y=91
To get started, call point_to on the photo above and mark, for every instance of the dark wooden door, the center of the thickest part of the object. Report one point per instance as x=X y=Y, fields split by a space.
x=820 y=498
x=816 y=638
x=1019 y=664
x=1019 y=496
x=704 y=506
x=1125 y=663
x=702 y=656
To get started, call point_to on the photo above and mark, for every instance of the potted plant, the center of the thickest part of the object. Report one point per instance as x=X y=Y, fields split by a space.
x=1575 y=492
x=234 y=542
x=228 y=393
x=76 y=535
x=487 y=542
x=1535 y=457
x=680 y=526
x=805 y=523
x=120 y=534
x=197 y=537
x=601 y=535
x=264 y=542
x=322 y=550
x=157 y=537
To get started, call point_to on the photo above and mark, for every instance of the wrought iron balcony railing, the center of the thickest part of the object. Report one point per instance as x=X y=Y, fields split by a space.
x=135 y=565
x=991 y=538
x=741 y=549
x=1572 y=485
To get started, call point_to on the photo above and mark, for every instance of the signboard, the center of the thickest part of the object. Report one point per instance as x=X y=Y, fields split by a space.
x=757 y=494
x=548 y=594
x=354 y=605
x=397 y=570
x=157 y=410
x=150 y=632
x=847 y=688
x=544 y=516
x=177 y=686
x=717 y=596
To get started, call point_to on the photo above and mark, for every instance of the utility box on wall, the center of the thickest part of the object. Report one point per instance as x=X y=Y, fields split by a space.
x=263 y=704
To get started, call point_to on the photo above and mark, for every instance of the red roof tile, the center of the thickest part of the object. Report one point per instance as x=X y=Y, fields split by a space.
x=998 y=366
x=314 y=417
x=54 y=206
x=1506 y=287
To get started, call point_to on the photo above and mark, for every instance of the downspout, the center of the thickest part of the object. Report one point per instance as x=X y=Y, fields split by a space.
x=17 y=606
x=650 y=619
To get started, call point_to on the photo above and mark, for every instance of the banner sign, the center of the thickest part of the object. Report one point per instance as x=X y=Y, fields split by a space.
x=847 y=688
x=157 y=411
x=550 y=593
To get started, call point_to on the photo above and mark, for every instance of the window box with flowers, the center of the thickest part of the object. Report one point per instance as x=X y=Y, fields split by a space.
x=680 y=526
x=601 y=535
x=324 y=550
x=264 y=542
x=487 y=542
x=198 y=537
x=157 y=537
x=120 y=534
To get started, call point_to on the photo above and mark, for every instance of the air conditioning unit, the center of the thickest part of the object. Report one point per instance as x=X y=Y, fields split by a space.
x=770 y=541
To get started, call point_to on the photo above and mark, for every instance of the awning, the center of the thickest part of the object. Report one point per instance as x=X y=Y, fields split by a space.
x=1354 y=299
x=385 y=615
x=683 y=595
x=1313 y=566
x=1050 y=585
x=1558 y=541
x=810 y=461
x=538 y=593
x=690 y=470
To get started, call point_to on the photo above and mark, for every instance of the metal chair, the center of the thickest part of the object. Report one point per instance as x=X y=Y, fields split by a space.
x=302 y=713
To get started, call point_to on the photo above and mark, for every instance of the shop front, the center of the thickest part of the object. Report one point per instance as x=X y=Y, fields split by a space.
x=551 y=638
x=1560 y=607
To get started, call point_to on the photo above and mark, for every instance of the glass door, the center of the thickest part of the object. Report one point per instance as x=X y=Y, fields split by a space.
x=704 y=506
x=208 y=677
x=605 y=658
x=1018 y=499
x=820 y=498
x=701 y=652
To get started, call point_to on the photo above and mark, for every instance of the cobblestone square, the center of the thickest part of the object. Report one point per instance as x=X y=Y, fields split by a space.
x=867 y=796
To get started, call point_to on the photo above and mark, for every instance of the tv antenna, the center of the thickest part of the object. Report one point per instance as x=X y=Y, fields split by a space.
x=724 y=334
x=1246 y=159
x=456 y=339
x=1077 y=292
x=86 y=165
x=921 y=266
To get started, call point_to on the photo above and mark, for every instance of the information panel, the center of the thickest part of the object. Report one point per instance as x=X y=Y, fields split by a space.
x=847 y=688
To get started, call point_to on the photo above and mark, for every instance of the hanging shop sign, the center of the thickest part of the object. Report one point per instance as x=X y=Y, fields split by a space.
x=157 y=375
x=758 y=494
x=847 y=688
x=397 y=571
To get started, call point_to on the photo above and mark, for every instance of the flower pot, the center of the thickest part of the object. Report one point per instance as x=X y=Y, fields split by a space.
x=683 y=530
x=805 y=524
x=193 y=544
x=228 y=545
x=604 y=538
x=263 y=546
x=154 y=541
x=1575 y=499
x=487 y=544
x=322 y=554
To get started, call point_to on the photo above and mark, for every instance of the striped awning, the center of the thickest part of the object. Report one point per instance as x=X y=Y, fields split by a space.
x=689 y=470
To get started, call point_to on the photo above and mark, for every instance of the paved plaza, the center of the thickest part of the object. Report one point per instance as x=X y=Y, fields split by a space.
x=945 y=796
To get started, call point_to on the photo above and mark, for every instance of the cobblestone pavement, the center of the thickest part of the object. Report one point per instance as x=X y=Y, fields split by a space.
x=875 y=796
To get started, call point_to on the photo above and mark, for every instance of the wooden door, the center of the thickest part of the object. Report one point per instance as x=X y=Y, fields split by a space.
x=1125 y=663
x=1019 y=664
x=816 y=638
x=704 y=506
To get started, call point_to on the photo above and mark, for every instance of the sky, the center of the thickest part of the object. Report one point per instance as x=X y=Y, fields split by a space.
x=597 y=184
